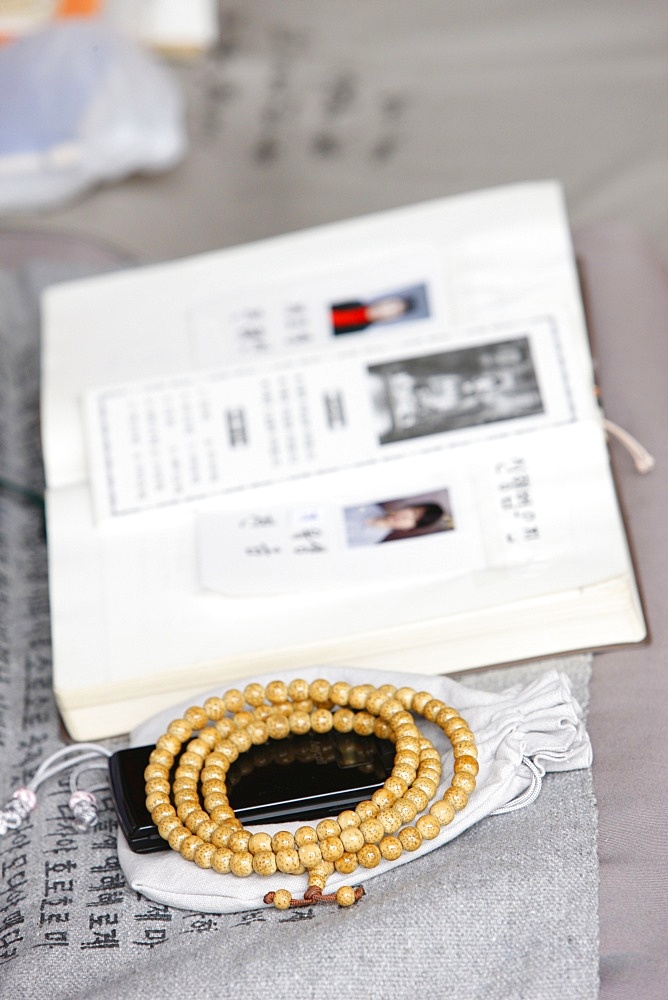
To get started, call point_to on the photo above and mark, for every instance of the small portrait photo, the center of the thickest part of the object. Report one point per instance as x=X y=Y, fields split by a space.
x=467 y=387
x=401 y=518
x=392 y=307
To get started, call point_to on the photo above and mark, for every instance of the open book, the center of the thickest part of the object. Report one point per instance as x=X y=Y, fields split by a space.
x=375 y=443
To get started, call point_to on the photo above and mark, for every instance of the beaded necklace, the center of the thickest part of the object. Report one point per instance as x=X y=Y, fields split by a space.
x=206 y=831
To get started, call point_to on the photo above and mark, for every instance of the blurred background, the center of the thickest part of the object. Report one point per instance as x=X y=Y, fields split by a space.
x=311 y=110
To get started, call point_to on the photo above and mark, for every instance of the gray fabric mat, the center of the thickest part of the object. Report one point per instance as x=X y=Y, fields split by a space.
x=508 y=910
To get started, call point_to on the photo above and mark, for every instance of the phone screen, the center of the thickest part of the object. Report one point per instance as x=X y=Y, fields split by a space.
x=297 y=778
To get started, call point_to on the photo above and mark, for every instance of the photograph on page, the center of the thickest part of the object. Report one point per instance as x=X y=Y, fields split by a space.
x=381 y=295
x=327 y=545
x=437 y=393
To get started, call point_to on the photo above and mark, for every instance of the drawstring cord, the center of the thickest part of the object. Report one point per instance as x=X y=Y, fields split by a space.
x=530 y=794
x=642 y=459
x=82 y=757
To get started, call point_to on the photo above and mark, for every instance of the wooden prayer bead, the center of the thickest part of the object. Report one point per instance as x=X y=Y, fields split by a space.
x=177 y=837
x=221 y=835
x=253 y=695
x=281 y=841
x=390 y=848
x=214 y=708
x=239 y=841
x=426 y=785
x=358 y=695
x=347 y=863
x=189 y=846
x=421 y=699
x=382 y=729
x=168 y=743
x=366 y=809
x=405 y=695
x=327 y=828
x=166 y=825
x=221 y=860
x=276 y=691
x=464 y=781
x=181 y=729
x=319 y=690
x=305 y=835
x=241 y=864
x=310 y=854
x=352 y=839
x=443 y=811
x=259 y=842
x=234 y=700
x=300 y=723
x=390 y=820
x=432 y=708
x=410 y=838
x=348 y=818
x=345 y=895
x=428 y=827
x=282 y=899
x=321 y=720
x=343 y=720
x=372 y=830
x=369 y=855
x=278 y=726
x=264 y=862
x=287 y=860
x=196 y=716
x=206 y=829
x=331 y=848
x=339 y=693
x=162 y=811
x=405 y=809
x=456 y=797
x=364 y=724
x=204 y=855
x=241 y=740
x=383 y=798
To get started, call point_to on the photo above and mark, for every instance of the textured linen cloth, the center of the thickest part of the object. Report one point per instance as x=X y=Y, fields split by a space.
x=520 y=733
x=508 y=909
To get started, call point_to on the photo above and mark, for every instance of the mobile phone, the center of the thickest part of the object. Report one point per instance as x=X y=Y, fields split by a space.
x=298 y=778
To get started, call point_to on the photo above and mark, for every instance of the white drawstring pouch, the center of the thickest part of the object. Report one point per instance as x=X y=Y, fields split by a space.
x=522 y=733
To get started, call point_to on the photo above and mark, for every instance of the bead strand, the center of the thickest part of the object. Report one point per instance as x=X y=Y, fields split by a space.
x=209 y=833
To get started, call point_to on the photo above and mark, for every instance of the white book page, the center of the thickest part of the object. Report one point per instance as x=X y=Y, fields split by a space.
x=478 y=259
x=177 y=440
x=424 y=528
x=534 y=519
x=384 y=294
x=502 y=506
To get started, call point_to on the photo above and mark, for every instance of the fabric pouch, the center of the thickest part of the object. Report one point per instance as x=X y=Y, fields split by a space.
x=521 y=733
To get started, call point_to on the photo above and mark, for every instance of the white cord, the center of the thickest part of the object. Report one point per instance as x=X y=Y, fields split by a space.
x=82 y=757
x=642 y=459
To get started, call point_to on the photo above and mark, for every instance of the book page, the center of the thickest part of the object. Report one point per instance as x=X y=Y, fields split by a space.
x=542 y=533
x=425 y=528
x=450 y=265
x=177 y=440
x=521 y=506
x=381 y=295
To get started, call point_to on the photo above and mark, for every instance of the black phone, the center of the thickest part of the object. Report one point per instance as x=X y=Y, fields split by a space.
x=298 y=778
